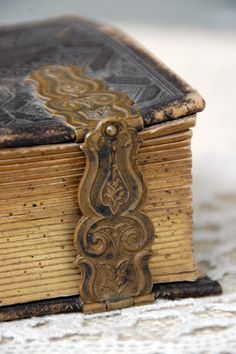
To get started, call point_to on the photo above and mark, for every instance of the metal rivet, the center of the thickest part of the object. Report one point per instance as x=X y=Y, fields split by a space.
x=111 y=130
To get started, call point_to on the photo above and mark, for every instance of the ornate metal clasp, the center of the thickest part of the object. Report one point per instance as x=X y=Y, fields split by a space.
x=113 y=238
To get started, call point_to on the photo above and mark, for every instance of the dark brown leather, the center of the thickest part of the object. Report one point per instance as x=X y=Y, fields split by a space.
x=23 y=49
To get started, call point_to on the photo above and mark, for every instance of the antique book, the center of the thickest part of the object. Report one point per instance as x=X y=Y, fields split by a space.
x=95 y=172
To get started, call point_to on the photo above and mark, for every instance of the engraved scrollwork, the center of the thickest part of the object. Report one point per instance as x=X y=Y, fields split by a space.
x=82 y=101
x=133 y=238
x=114 y=234
x=108 y=237
x=88 y=272
x=113 y=238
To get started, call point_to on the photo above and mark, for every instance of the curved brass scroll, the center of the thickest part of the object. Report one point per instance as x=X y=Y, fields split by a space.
x=82 y=101
x=114 y=237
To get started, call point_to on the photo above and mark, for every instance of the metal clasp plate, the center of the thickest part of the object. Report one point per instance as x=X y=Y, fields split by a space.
x=114 y=237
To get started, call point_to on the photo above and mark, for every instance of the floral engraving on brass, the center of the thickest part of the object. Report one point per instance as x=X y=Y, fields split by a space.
x=82 y=101
x=113 y=238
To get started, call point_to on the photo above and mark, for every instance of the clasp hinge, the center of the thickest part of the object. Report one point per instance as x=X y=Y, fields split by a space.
x=120 y=304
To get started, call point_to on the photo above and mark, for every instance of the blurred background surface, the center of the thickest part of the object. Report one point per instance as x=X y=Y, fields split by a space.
x=197 y=39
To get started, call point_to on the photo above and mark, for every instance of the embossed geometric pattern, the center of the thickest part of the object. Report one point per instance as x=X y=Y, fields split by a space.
x=24 y=120
x=72 y=41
